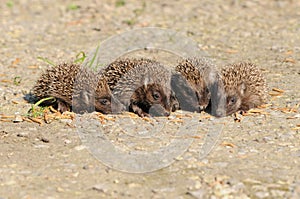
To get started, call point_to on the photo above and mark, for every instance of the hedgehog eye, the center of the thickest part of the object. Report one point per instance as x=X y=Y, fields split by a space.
x=156 y=95
x=206 y=90
x=104 y=101
x=232 y=100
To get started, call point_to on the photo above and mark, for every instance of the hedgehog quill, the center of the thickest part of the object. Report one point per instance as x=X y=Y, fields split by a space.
x=143 y=87
x=245 y=87
x=197 y=84
x=74 y=88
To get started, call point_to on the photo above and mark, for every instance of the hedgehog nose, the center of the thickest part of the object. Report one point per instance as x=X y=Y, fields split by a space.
x=218 y=112
x=166 y=113
x=201 y=108
x=158 y=110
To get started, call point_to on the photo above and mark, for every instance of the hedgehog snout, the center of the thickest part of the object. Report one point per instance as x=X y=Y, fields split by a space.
x=158 y=110
x=201 y=107
x=117 y=106
x=233 y=104
x=174 y=104
x=203 y=101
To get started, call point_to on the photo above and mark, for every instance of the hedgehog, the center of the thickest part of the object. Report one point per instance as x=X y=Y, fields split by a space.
x=74 y=87
x=145 y=88
x=194 y=83
x=115 y=70
x=245 y=87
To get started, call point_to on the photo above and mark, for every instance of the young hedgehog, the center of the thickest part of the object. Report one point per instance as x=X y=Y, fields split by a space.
x=245 y=87
x=197 y=85
x=75 y=87
x=145 y=88
x=114 y=71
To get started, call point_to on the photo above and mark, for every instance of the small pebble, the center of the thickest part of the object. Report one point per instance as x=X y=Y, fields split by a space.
x=80 y=147
x=100 y=187
x=32 y=129
x=261 y=194
x=23 y=134
x=179 y=158
x=75 y=174
x=69 y=121
x=17 y=119
x=46 y=140
x=67 y=141
x=198 y=194
x=134 y=185
x=59 y=189
x=198 y=185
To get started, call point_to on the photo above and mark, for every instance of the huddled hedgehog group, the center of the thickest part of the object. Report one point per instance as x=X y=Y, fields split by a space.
x=148 y=88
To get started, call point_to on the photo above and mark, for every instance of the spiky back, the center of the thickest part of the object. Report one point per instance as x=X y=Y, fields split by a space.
x=196 y=70
x=114 y=71
x=57 y=81
x=202 y=79
x=244 y=72
x=102 y=86
x=66 y=80
x=142 y=74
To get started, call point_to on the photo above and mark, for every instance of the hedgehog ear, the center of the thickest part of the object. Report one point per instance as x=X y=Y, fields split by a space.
x=242 y=88
x=84 y=96
x=146 y=81
x=87 y=97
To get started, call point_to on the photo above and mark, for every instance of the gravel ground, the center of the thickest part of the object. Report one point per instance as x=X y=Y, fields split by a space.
x=257 y=157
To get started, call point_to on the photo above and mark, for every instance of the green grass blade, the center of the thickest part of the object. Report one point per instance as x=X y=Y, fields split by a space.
x=43 y=100
x=80 y=57
x=46 y=61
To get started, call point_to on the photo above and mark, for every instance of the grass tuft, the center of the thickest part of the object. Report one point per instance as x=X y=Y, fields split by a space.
x=46 y=61
x=17 y=80
x=94 y=58
x=10 y=3
x=37 y=111
x=120 y=3
x=73 y=6
x=80 y=57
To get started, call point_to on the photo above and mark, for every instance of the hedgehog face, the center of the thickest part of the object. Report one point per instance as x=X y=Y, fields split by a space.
x=174 y=104
x=159 y=99
x=190 y=96
x=62 y=106
x=103 y=104
x=203 y=95
x=234 y=99
x=107 y=103
x=249 y=84
x=151 y=100
x=233 y=104
x=88 y=102
x=198 y=73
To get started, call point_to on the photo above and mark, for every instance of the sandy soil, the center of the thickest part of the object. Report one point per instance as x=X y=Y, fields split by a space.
x=258 y=157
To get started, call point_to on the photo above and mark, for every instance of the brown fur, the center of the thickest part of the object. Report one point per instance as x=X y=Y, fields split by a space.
x=115 y=71
x=150 y=100
x=194 y=87
x=245 y=87
x=145 y=89
x=74 y=87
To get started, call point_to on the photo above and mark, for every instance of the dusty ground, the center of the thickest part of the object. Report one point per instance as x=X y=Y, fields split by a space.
x=258 y=157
